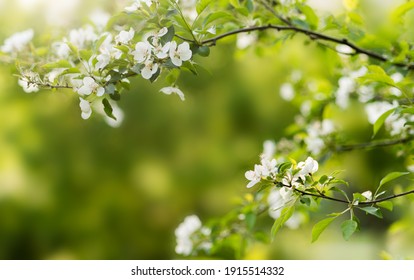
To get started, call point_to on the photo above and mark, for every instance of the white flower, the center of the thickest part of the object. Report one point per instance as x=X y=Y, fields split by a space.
x=183 y=234
x=346 y=87
x=245 y=40
x=54 y=74
x=85 y=108
x=316 y=131
x=61 y=49
x=170 y=90
x=150 y=68
x=396 y=77
x=269 y=149
x=103 y=60
x=18 y=41
x=28 y=82
x=28 y=86
x=142 y=52
x=254 y=176
x=89 y=85
x=137 y=4
x=344 y=49
x=290 y=180
x=367 y=195
x=287 y=92
x=314 y=145
x=309 y=166
x=162 y=51
x=80 y=37
x=155 y=36
x=125 y=36
x=180 y=53
x=269 y=167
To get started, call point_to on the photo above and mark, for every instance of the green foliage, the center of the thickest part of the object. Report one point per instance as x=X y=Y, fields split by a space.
x=319 y=227
x=341 y=73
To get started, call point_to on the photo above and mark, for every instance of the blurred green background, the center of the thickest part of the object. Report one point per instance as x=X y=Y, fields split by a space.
x=75 y=189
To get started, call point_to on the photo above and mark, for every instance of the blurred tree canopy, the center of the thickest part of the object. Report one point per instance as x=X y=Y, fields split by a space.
x=76 y=189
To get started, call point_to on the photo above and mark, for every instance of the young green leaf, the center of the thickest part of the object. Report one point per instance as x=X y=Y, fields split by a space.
x=108 y=108
x=380 y=122
x=398 y=13
x=202 y=5
x=372 y=211
x=250 y=220
x=392 y=176
x=310 y=15
x=287 y=212
x=348 y=228
x=386 y=205
x=319 y=227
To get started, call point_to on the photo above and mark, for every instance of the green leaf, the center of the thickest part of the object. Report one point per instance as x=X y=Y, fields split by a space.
x=108 y=108
x=284 y=166
x=386 y=205
x=377 y=74
x=287 y=212
x=398 y=13
x=249 y=5
x=392 y=176
x=348 y=228
x=250 y=220
x=310 y=15
x=202 y=5
x=319 y=227
x=323 y=179
x=235 y=3
x=220 y=15
x=59 y=64
x=380 y=122
x=372 y=211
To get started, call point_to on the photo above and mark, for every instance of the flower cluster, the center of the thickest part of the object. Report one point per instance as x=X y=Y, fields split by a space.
x=190 y=231
x=317 y=134
x=98 y=64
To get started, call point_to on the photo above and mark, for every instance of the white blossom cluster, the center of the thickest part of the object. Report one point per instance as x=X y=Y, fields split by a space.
x=292 y=178
x=346 y=86
x=94 y=63
x=317 y=132
x=186 y=236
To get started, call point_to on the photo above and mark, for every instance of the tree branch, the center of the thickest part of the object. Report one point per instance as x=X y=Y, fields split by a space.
x=360 y=203
x=374 y=144
x=313 y=35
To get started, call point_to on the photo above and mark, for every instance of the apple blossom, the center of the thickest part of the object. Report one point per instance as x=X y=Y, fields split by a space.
x=180 y=53
x=85 y=107
x=89 y=86
x=170 y=90
x=150 y=68
x=17 y=42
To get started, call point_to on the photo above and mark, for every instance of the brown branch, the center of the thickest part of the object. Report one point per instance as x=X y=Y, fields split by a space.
x=310 y=34
x=373 y=144
x=360 y=203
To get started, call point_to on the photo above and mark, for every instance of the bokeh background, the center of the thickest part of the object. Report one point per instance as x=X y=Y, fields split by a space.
x=76 y=189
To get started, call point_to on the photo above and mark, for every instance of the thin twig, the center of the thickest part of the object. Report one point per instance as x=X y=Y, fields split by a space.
x=360 y=203
x=374 y=144
x=310 y=34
